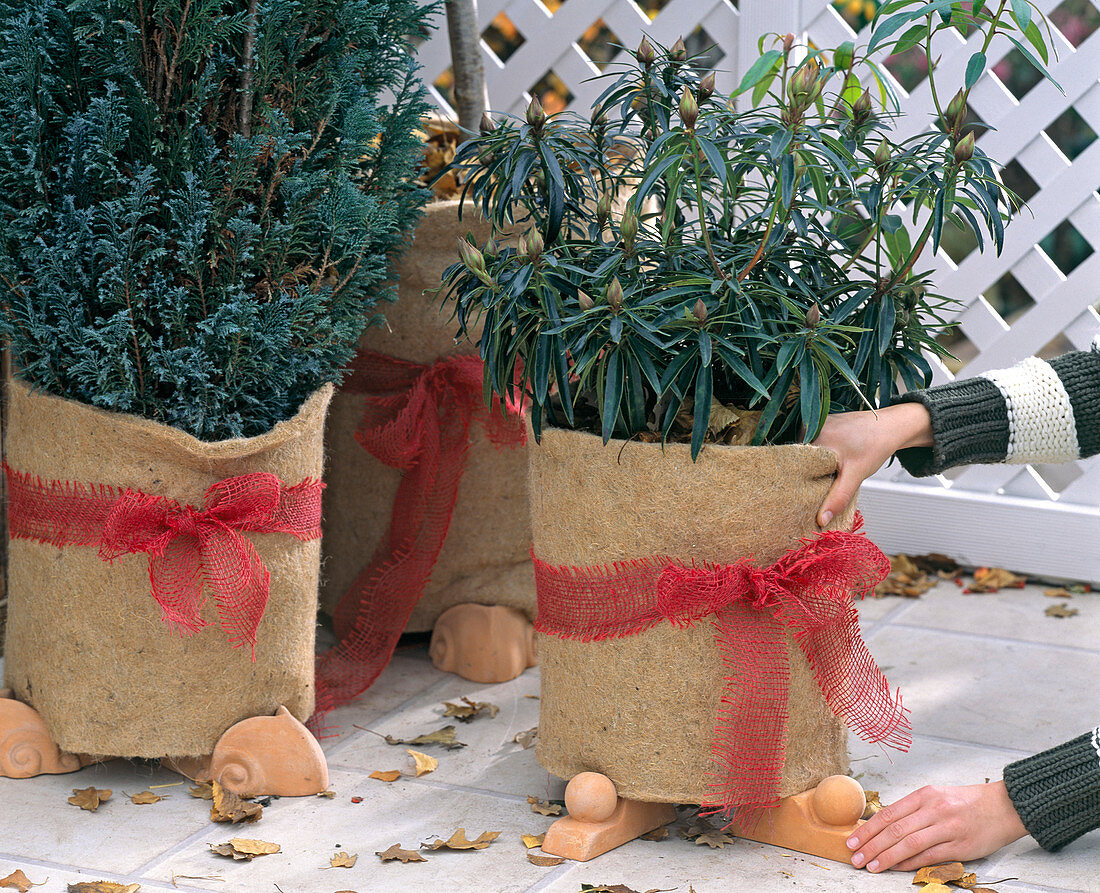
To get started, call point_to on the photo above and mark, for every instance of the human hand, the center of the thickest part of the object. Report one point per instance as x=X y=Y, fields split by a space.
x=863 y=442
x=937 y=824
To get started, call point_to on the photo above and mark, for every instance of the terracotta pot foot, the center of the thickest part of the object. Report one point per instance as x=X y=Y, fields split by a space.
x=599 y=820
x=270 y=755
x=816 y=822
x=483 y=643
x=6 y=693
x=195 y=768
x=26 y=748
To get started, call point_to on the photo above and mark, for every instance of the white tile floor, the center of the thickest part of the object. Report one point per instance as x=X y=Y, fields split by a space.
x=989 y=679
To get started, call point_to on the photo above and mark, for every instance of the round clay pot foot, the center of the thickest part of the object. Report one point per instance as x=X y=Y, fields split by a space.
x=270 y=755
x=197 y=769
x=483 y=643
x=26 y=748
x=817 y=822
x=599 y=820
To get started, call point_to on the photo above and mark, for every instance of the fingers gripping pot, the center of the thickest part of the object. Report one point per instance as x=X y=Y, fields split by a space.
x=86 y=643
x=648 y=705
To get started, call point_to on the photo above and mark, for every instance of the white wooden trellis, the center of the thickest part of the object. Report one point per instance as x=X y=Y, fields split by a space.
x=1014 y=516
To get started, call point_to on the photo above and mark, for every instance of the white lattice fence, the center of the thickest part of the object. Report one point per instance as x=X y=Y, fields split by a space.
x=1038 y=520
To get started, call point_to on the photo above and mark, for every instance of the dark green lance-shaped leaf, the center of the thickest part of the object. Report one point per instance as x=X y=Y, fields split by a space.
x=937 y=218
x=892 y=25
x=809 y=394
x=787 y=180
x=1035 y=38
x=555 y=189
x=891 y=223
x=867 y=339
x=704 y=389
x=740 y=369
x=715 y=160
x=774 y=405
x=612 y=393
x=974 y=69
x=655 y=173
x=757 y=70
x=1035 y=63
x=616 y=328
x=886 y=323
x=541 y=378
x=561 y=376
x=1021 y=12
x=705 y=348
x=779 y=142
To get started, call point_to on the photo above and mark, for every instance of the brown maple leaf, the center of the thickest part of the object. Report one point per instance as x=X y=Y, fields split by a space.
x=1062 y=610
x=19 y=881
x=424 y=763
x=395 y=852
x=343 y=860
x=144 y=798
x=388 y=775
x=228 y=807
x=243 y=849
x=940 y=874
x=89 y=798
x=532 y=840
x=544 y=807
x=544 y=861
x=444 y=737
x=458 y=841
x=656 y=834
x=991 y=579
x=469 y=710
x=103 y=887
x=328 y=795
x=874 y=804
x=204 y=791
x=714 y=839
x=526 y=739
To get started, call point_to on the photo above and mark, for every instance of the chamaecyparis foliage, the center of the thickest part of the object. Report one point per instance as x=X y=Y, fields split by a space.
x=199 y=199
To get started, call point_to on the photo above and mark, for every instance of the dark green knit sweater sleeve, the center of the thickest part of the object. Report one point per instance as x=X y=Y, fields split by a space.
x=1036 y=411
x=1057 y=792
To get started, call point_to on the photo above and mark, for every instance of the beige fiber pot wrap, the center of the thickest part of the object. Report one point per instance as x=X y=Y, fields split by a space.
x=643 y=709
x=485 y=558
x=85 y=643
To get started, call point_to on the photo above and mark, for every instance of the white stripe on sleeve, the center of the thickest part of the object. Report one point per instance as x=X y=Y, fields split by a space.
x=1041 y=427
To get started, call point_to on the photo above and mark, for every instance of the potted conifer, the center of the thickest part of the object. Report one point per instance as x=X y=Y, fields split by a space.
x=679 y=361
x=198 y=203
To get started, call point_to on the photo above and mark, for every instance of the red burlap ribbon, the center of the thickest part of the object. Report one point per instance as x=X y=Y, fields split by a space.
x=807 y=592
x=189 y=549
x=416 y=418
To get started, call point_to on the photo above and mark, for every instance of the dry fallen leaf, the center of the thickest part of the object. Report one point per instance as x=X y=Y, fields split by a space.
x=656 y=834
x=424 y=763
x=469 y=710
x=1062 y=610
x=204 y=791
x=103 y=887
x=19 y=881
x=526 y=739
x=143 y=798
x=388 y=775
x=940 y=874
x=936 y=887
x=89 y=798
x=532 y=840
x=874 y=804
x=395 y=852
x=544 y=861
x=1059 y=592
x=906 y=578
x=458 y=841
x=343 y=860
x=328 y=795
x=241 y=848
x=544 y=807
x=991 y=579
x=228 y=807
x=715 y=839
x=444 y=737
x=702 y=826
x=967 y=881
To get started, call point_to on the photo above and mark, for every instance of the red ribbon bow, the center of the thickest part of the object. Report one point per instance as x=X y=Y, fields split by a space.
x=416 y=418
x=807 y=592
x=189 y=549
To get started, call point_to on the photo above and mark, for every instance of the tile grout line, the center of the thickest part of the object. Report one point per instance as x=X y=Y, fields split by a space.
x=156 y=861
x=889 y=616
x=555 y=875
x=1003 y=640
x=446 y=785
x=943 y=739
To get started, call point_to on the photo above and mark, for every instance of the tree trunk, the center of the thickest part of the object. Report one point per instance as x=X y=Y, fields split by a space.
x=471 y=96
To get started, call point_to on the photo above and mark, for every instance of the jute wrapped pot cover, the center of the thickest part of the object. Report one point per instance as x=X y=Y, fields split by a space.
x=86 y=645
x=485 y=557
x=643 y=709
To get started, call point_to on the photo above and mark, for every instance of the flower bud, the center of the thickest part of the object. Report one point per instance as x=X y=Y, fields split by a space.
x=472 y=259
x=842 y=57
x=882 y=155
x=603 y=208
x=699 y=311
x=788 y=43
x=706 y=87
x=585 y=301
x=487 y=125
x=531 y=244
x=678 y=52
x=813 y=316
x=615 y=294
x=689 y=109
x=599 y=116
x=964 y=148
x=862 y=108
x=628 y=227
x=956 y=111
x=491 y=249
x=645 y=52
x=536 y=117
x=803 y=88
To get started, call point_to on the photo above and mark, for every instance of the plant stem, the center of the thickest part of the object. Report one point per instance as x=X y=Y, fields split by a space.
x=704 y=230
x=246 y=73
